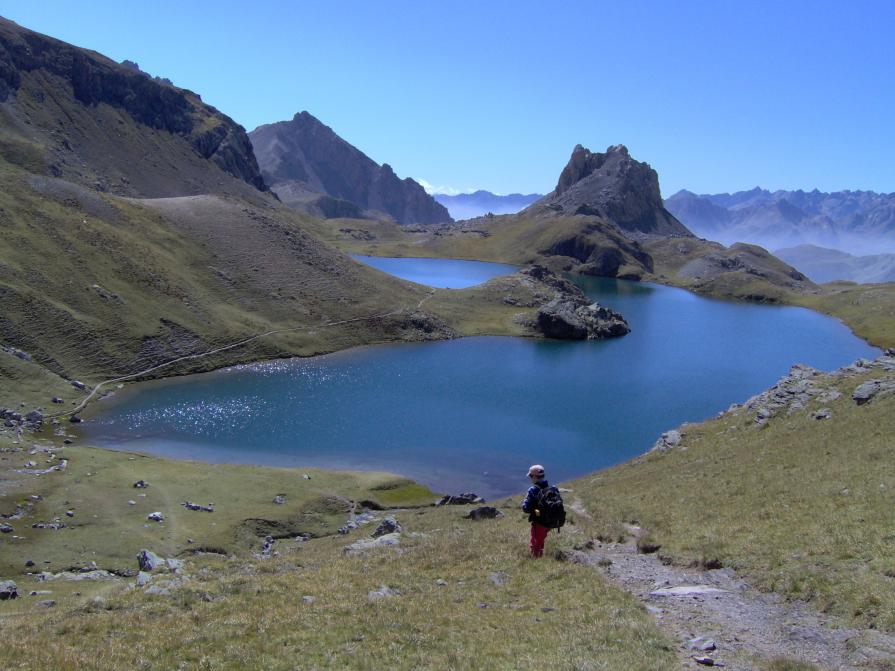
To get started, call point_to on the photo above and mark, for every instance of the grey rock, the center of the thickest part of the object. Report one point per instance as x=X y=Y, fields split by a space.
x=823 y=413
x=174 y=564
x=150 y=561
x=47 y=603
x=308 y=600
x=57 y=400
x=34 y=417
x=567 y=319
x=866 y=392
x=369 y=543
x=667 y=441
x=387 y=526
x=8 y=590
x=69 y=576
x=441 y=582
x=189 y=505
x=77 y=384
x=483 y=513
x=687 y=590
x=158 y=590
x=705 y=660
x=155 y=517
x=466 y=498
x=701 y=644
x=141 y=484
x=382 y=593
x=279 y=499
x=6 y=529
x=498 y=578
x=143 y=579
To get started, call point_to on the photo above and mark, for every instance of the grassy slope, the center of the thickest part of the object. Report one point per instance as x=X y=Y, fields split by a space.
x=868 y=309
x=802 y=507
x=239 y=611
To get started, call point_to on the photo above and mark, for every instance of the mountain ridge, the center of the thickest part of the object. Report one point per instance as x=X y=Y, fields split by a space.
x=311 y=168
x=859 y=222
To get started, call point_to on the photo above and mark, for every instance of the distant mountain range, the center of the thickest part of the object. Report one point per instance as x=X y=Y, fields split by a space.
x=479 y=203
x=312 y=169
x=860 y=222
x=827 y=265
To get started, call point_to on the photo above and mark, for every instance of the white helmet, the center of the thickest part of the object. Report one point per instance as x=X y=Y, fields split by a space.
x=536 y=469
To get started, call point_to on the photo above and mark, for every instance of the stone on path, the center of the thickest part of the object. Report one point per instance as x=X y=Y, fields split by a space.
x=155 y=517
x=701 y=644
x=687 y=590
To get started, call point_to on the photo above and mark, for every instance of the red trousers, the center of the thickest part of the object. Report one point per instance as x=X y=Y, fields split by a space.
x=538 y=536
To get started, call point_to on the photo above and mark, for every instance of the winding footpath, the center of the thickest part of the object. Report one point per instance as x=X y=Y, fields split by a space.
x=224 y=348
x=716 y=616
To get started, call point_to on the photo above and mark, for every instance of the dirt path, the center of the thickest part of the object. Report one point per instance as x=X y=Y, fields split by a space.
x=224 y=348
x=748 y=628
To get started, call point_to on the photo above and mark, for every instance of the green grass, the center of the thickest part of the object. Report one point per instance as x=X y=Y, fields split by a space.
x=239 y=612
x=801 y=507
x=867 y=309
x=98 y=484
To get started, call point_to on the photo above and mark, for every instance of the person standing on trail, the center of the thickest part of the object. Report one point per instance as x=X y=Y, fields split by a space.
x=544 y=507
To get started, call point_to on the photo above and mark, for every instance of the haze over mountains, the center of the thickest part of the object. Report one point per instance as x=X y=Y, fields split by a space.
x=481 y=202
x=312 y=169
x=858 y=222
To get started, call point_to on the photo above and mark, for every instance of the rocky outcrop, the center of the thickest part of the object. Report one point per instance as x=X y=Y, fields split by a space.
x=569 y=315
x=612 y=186
x=313 y=169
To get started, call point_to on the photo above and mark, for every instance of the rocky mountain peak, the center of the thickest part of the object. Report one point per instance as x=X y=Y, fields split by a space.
x=614 y=186
x=312 y=169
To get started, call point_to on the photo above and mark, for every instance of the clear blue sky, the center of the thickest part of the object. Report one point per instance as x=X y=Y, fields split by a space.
x=716 y=95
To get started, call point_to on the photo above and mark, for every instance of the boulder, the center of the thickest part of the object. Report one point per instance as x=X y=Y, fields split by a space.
x=6 y=529
x=866 y=392
x=149 y=561
x=668 y=440
x=387 y=526
x=34 y=417
x=483 y=513
x=466 y=498
x=8 y=590
x=568 y=319
x=155 y=517
x=370 y=543
x=279 y=499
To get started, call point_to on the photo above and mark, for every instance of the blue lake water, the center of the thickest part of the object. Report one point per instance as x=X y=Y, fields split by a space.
x=441 y=273
x=472 y=414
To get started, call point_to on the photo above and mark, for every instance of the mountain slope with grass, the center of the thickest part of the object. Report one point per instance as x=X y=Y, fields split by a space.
x=137 y=230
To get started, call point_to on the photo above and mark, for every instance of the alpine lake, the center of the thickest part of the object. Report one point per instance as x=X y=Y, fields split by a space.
x=471 y=414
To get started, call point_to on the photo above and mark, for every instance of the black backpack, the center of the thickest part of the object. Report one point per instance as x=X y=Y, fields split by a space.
x=553 y=513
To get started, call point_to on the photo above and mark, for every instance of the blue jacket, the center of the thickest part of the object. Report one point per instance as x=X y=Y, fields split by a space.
x=531 y=498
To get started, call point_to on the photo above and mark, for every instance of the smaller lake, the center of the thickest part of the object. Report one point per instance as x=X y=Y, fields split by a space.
x=471 y=414
x=440 y=273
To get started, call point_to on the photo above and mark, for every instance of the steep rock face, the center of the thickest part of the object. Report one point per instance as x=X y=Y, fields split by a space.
x=304 y=160
x=91 y=102
x=613 y=186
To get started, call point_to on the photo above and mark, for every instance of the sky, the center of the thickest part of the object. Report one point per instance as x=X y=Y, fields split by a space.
x=716 y=95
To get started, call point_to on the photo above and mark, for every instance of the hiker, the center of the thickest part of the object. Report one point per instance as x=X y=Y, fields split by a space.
x=544 y=507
